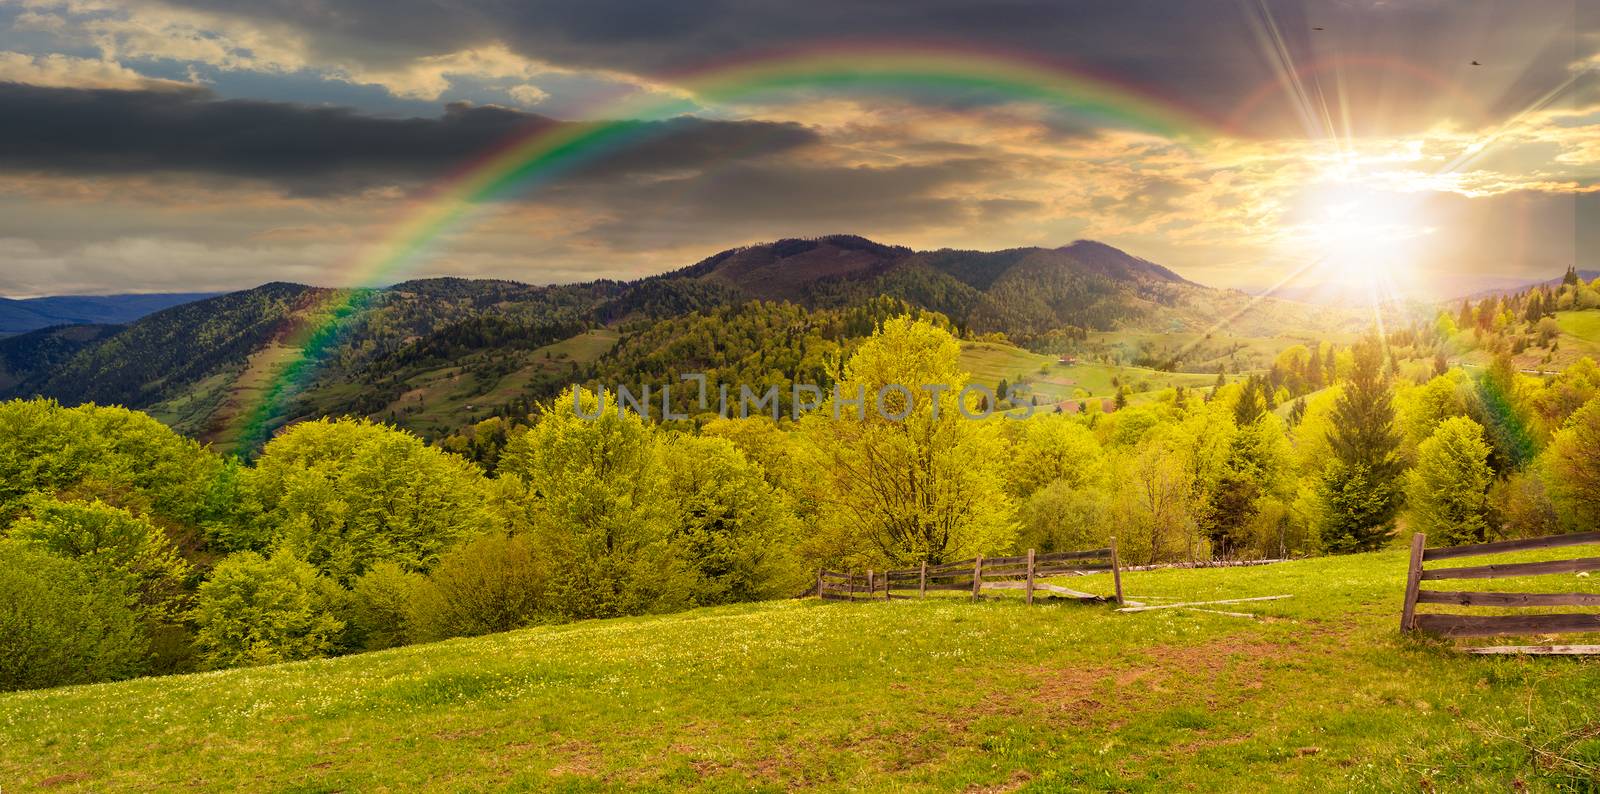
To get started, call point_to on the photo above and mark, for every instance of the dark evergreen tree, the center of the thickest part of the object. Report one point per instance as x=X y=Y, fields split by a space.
x=1361 y=485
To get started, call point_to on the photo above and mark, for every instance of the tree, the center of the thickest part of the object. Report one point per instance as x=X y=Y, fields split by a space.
x=1448 y=488
x=346 y=494
x=1360 y=484
x=113 y=544
x=728 y=523
x=1249 y=406
x=1574 y=461
x=61 y=624
x=598 y=501
x=925 y=487
x=122 y=457
x=256 y=610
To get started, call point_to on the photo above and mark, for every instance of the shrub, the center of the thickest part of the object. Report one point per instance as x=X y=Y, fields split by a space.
x=59 y=624
x=493 y=583
x=382 y=603
x=256 y=610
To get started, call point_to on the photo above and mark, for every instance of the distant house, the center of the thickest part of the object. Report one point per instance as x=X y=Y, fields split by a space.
x=1067 y=361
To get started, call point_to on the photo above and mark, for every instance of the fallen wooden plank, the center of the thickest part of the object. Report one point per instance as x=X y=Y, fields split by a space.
x=1203 y=564
x=1538 y=650
x=1547 y=542
x=1204 y=603
x=1054 y=588
x=1220 y=612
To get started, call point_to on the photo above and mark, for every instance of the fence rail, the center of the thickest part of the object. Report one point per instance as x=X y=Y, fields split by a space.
x=975 y=576
x=1455 y=625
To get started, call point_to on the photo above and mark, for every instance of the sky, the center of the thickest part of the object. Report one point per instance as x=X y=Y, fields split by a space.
x=202 y=145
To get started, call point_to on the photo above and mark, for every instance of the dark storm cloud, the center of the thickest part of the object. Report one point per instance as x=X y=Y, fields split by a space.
x=1410 y=60
x=319 y=150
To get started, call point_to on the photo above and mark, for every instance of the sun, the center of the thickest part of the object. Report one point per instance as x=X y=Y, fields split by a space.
x=1362 y=239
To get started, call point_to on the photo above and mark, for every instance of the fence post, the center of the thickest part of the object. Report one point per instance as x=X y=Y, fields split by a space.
x=1030 y=577
x=922 y=584
x=819 y=583
x=1408 y=613
x=1116 y=569
x=977 y=577
x=872 y=585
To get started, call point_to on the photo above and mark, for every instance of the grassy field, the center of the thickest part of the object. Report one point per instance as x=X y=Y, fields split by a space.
x=1319 y=694
x=1054 y=382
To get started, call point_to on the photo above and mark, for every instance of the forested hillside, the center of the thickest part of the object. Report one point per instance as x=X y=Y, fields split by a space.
x=439 y=355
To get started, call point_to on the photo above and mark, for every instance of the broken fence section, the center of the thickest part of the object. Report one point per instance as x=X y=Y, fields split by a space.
x=976 y=575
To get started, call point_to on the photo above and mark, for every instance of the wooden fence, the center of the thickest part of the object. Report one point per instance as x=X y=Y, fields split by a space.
x=1451 y=625
x=975 y=576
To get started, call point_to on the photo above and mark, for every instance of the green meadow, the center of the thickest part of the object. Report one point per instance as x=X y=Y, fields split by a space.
x=1320 y=692
x=1052 y=381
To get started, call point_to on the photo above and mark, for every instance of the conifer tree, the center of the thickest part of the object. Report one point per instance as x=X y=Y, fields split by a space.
x=1361 y=485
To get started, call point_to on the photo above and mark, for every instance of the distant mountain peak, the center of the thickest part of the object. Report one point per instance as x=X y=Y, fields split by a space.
x=1118 y=261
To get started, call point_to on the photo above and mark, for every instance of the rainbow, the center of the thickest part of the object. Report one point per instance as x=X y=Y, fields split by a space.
x=546 y=153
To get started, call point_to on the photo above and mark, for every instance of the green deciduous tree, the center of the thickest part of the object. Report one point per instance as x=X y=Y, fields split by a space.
x=123 y=457
x=925 y=487
x=1574 y=462
x=728 y=523
x=62 y=624
x=256 y=610
x=598 y=500
x=346 y=494
x=1448 y=488
x=112 y=543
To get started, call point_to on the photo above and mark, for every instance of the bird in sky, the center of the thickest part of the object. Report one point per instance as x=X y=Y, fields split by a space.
x=1319 y=28
x=1475 y=63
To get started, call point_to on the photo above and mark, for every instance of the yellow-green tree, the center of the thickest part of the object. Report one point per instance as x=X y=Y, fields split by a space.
x=598 y=497
x=1574 y=461
x=346 y=494
x=928 y=485
x=1448 y=489
x=256 y=610
x=113 y=544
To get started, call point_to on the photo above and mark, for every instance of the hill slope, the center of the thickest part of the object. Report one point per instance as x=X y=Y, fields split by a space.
x=936 y=695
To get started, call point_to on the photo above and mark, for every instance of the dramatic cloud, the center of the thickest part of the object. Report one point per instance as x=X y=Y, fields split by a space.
x=140 y=149
x=64 y=71
x=1264 y=66
x=316 y=150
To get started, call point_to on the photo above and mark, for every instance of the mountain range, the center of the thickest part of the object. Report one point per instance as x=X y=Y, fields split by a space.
x=436 y=354
x=19 y=316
